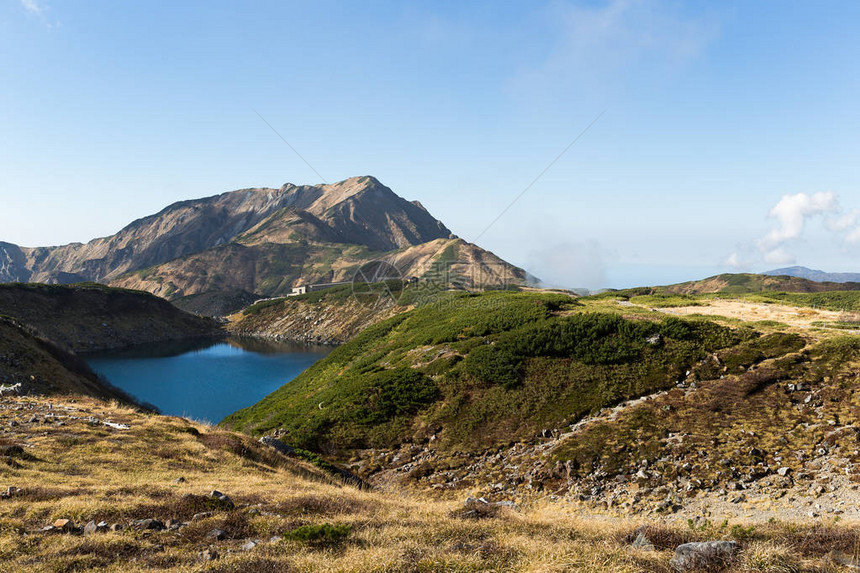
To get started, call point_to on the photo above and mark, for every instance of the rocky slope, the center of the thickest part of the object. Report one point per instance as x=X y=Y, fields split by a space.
x=260 y=241
x=88 y=317
x=31 y=365
x=331 y=316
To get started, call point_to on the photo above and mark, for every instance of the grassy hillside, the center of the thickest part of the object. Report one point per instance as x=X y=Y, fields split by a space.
x=284 y=514
x=480 y=371
x=738 y=284
x=90 y=316
x=837 y=301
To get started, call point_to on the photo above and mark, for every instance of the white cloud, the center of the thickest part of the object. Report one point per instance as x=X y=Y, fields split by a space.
x=779 y=256
x=792 y=212
x=31 y=6
x=734 y=260
x=844 y=222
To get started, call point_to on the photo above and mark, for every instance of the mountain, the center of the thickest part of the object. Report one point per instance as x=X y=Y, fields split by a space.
x=263 y=241
x=814 y=275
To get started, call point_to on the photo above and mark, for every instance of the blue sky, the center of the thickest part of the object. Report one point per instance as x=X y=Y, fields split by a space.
x=728 y=143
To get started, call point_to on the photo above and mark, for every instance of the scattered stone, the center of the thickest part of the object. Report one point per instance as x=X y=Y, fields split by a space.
x=249 y=545
x=642 y=542
x=704 y=555
x=784 y=471
x=178 y=480
x=278 y=445
x=64 y=524
x=147 y=524
x=208 y=555
x=215 y=494
x=90 y=528
x=116 y=527
x=217 y=534
x=845 y=559
x=201 y=515
x=11 y=491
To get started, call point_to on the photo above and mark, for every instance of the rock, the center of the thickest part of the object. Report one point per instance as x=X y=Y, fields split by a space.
x=201 y=515
x=249 y=545
x=180 y=479
x=90 y=528
x=147 y=524
x=704 y=555
x=277 y=444
x=11 y=491
x=64 y=524
x=116 y=527
x=217 y=534
x=208 y=555
x=642 y=542
x=215 y=494
x=782 y=472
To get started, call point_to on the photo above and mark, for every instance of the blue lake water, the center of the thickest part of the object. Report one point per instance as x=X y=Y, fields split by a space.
x=205 y=380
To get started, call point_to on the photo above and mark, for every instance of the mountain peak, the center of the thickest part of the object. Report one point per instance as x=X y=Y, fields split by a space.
x=281 y=235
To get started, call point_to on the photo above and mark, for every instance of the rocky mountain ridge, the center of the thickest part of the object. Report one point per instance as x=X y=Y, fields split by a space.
x=261 y=241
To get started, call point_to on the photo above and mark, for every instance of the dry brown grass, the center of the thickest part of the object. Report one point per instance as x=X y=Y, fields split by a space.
x=84 y=472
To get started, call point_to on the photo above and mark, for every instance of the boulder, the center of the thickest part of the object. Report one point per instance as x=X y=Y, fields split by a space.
x=217 y=534
x=224 y=498
x=704 y=555
x=64 y=524
x=277 y=444
x=11 y=491
x=147 y=524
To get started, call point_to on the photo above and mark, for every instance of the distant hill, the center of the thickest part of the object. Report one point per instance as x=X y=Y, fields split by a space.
x=814 y=275
x=263 y=241
x=89 y=317
x=740 y=283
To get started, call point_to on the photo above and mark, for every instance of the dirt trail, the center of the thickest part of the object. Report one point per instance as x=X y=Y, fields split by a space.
x=750 y=311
